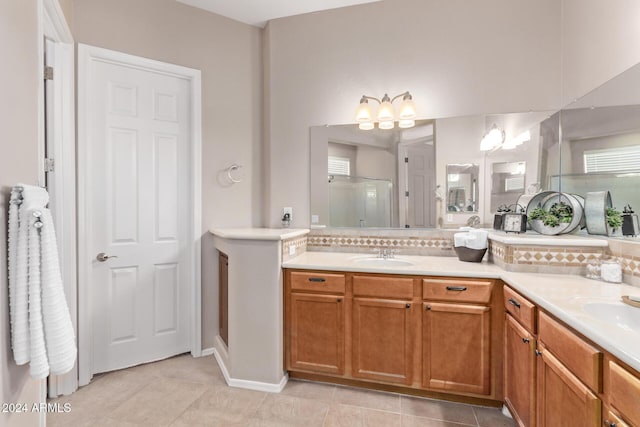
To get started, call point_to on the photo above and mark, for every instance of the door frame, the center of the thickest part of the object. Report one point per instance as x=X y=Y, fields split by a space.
x=53 y=26
x=86 y=56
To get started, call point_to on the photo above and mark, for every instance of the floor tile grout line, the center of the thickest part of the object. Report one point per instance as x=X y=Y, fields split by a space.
x=475 y=415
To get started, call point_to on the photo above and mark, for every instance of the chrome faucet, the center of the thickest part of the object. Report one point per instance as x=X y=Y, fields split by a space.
x=386 y=253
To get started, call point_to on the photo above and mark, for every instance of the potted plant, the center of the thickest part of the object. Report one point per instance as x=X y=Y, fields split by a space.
x=614 y=222
x=553 y=221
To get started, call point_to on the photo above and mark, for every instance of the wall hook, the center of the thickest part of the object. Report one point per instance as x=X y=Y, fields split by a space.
x=230 y=170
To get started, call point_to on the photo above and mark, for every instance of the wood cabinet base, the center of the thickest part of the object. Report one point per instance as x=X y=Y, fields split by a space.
x=394 y=389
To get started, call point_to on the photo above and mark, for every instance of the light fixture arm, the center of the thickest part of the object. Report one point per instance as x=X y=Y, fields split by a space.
x=365 y=98
x=404 y=95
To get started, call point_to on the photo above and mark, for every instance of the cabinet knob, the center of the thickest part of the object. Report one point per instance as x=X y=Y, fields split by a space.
x=428 y=307
x=538 y=352
x=339 y=300
x=407 y=306
x=526 y=340
x=610 y=424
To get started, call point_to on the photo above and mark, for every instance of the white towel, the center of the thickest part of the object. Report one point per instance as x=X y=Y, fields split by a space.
x=59 y=335
x=39 y=365
x=18 y=296
x=42 y=332
x=472 y=239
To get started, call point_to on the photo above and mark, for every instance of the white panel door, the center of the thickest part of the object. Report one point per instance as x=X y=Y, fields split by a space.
x=139 y=137
x=421 y=184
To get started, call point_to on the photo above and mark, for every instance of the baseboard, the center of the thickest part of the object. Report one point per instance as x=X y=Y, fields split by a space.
x=207 y=351
x=249 y=385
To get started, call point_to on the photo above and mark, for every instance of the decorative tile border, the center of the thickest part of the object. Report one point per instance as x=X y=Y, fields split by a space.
x=627 y=252
x=299 y=243
x=438 y=244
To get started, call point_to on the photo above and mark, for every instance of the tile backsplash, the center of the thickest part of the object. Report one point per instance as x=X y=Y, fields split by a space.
x=406 y=242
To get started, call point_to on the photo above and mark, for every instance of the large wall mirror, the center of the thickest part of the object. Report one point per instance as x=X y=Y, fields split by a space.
x=376 y=178
x=432 y=175
x=601 y=142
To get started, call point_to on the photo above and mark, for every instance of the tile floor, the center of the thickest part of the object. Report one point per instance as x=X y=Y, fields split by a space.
x=183 y=391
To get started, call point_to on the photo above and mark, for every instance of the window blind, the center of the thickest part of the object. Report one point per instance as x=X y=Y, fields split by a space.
x=339 y=165
x=612 y=159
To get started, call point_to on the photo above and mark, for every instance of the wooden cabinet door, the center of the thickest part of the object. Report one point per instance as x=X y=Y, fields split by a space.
x=316 y=333
x=382 y=340
x=456 y=347
x=223 y=296
x=562 y=399
x=519 y=372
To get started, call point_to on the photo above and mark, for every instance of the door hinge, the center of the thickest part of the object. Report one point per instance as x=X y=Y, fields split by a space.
x=48 y=73
x=406 y=160
x=49 y=165
x=406 y=194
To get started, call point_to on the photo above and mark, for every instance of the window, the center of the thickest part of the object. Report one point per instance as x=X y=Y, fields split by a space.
x=612 y=159
x=513 y=184
x=339 y=166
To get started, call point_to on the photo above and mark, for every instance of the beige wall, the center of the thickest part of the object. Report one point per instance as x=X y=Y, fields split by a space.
x=456 y=57
x=600 y=39
x=18 y=163
x=229 y=55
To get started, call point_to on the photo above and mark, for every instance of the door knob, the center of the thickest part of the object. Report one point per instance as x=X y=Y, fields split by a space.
x=102 y=257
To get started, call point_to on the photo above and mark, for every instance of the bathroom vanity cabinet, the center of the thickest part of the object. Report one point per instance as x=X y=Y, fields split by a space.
x=430 y=335
x=560 y=378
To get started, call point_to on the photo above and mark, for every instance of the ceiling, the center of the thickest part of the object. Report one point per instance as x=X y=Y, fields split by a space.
x=258 y=12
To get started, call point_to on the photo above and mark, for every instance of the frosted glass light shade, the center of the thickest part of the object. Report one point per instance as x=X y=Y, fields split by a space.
x=387 y=124
x=406 y=123
x=493 y=139
x=385 y=112
x=407 y=109
x=364 y=113
x=366 y=126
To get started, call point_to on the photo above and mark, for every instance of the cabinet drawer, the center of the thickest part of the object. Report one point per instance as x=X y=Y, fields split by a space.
x=457 y=290
x=581 y=358
x=382 y=287
x=624 y=392
x=318 y=282
x=520 y=308
x=612 y=420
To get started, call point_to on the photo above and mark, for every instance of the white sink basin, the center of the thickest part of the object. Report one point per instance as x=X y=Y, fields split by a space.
x=622 y=315
x=382 y=262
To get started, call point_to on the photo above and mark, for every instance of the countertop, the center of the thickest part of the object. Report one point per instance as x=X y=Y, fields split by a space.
x=573 y=299
x=534 y=239
x=258 y=233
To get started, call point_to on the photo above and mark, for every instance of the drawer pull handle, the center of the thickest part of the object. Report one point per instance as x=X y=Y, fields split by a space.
x=456 y=288
x=317 y=279
x=407 y=306
x=514 y=302
x=525 y=340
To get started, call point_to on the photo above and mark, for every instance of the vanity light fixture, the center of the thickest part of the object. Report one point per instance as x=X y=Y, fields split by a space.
x=386 y=112
x=492 y=139
x=512 y=143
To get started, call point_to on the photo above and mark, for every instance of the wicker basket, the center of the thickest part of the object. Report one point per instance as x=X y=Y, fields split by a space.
x=468 y=254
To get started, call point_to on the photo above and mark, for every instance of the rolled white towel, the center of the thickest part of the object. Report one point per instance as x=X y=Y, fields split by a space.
x=14 y=207
x=39 y=365
x=58 y=329
x=20 y=286
x=477 y=239
x=460 y=239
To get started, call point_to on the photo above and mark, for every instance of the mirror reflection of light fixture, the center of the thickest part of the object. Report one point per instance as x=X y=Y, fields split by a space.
x=386 y=112
x=512 y=143
x=492 y=139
